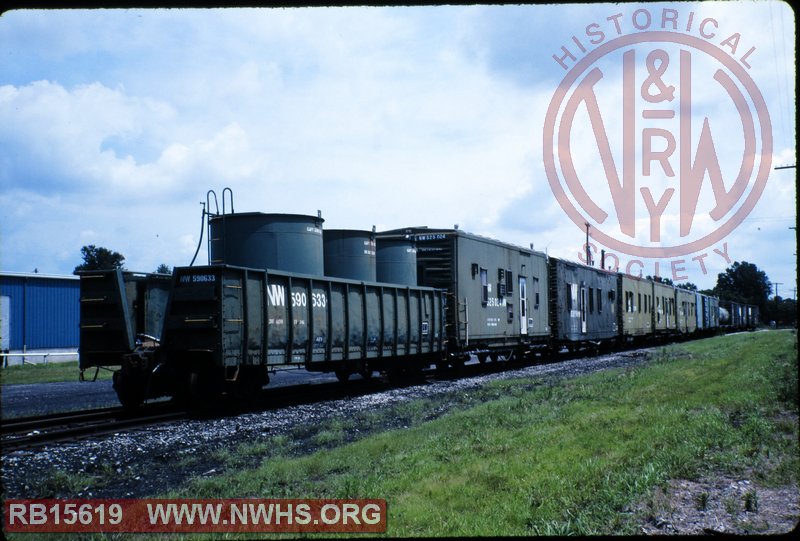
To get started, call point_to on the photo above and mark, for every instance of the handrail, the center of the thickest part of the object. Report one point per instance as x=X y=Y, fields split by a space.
x=226 y=189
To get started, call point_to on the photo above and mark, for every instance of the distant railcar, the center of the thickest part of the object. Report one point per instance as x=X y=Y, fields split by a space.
x=686 y=317
x=664 y=317
x=583 y=304
x=707 y=313
x=753 y=316
x=737 y=315
x=635 y=307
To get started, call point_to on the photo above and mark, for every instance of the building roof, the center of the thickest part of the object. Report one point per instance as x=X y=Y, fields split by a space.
x=39 y=275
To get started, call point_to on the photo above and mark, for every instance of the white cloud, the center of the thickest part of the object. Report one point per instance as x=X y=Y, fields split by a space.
x=117 y=122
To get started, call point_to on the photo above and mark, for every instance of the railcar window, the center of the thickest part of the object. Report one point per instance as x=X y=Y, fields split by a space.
x=501 y=283
x=599 y=301
x=536 y=293
x=510 y=312
x=591 y=300
x=572 y=300
x=639 y=302
x=509 y=282
x=484 y=286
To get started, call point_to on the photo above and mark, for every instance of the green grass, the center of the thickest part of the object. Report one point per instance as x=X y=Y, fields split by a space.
x=571 y=457
x=47 y=373
x=521 y=457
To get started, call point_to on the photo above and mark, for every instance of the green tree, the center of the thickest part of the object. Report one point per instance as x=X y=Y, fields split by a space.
x=687 y=285
x=743 y=282
x=99 y=258
x=164 y=269
x=781 y=311
x=660 y=279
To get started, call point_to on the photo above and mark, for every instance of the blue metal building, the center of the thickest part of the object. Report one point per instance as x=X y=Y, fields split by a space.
x=39 y=311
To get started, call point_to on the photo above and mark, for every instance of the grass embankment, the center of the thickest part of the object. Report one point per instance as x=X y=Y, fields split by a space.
x=47 y=373
x=576 y=456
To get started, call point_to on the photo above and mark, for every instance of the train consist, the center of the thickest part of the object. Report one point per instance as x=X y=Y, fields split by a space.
x=280 y=291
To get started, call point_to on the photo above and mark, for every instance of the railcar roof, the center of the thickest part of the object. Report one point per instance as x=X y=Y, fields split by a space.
x=423 y=229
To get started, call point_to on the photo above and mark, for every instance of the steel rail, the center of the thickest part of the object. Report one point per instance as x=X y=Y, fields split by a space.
x=28 y=432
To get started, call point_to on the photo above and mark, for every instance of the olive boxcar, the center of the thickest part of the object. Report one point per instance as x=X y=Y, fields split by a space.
x=686 y=311
x=635 y=306
x=497 y=292
x=664 y=321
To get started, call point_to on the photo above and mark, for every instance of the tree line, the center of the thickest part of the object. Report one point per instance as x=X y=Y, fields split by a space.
x=99 y=258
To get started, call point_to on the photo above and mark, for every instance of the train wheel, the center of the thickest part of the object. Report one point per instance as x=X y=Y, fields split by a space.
x=249 y=387
x=482 y=357
x=365 y=373
x=343 y=375
x=200 y=390
x=129 y=389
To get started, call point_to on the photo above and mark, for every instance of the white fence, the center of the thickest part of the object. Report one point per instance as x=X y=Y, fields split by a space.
x=40 y=357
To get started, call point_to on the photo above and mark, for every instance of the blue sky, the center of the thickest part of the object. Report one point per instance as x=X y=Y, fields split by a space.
x=115 y=123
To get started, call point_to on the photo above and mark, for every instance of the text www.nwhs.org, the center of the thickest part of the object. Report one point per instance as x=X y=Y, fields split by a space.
x=196 y=515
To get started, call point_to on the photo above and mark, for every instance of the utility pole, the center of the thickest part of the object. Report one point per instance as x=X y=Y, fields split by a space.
x=776 y=284
x=793 y=166
x=588 y=252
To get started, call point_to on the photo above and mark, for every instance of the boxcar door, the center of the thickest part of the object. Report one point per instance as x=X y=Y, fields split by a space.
x=583 y=309
x=523 y=305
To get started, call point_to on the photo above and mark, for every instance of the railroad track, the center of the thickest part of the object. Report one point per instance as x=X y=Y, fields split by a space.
x=28 y=432
x=31 y=432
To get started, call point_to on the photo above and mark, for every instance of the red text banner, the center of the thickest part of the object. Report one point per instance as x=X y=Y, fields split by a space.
x=195 y=515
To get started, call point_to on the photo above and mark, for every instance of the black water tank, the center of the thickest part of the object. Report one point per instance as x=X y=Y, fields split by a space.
x=287 y=242
x=350 y=254
x=397 y=261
